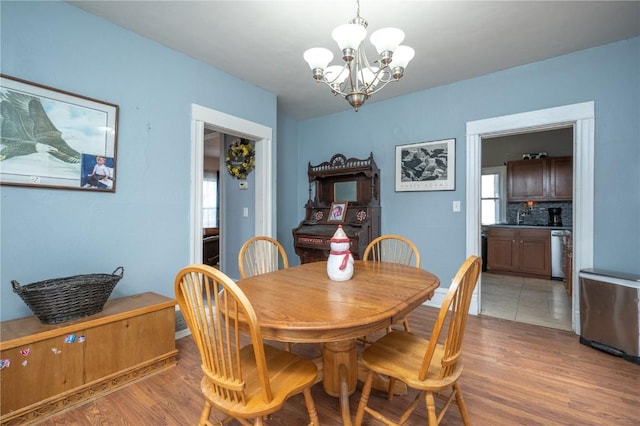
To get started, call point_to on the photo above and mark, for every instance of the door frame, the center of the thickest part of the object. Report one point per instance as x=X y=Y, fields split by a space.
x=231 y=125
x=582 y=117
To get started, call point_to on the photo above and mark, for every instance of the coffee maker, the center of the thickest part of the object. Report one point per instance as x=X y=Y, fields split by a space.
x=555 y=216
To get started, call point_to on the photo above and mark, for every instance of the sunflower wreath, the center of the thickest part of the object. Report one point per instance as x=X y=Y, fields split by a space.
x=240 y=158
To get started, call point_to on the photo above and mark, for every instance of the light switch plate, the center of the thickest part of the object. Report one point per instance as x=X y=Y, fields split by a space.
x=456 y=206
x=243 y=184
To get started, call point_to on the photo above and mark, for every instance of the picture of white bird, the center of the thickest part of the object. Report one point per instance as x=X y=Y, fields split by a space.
x=26 y=129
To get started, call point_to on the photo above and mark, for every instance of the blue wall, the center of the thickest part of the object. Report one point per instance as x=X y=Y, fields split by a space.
x=144 y=226
x=608 y=75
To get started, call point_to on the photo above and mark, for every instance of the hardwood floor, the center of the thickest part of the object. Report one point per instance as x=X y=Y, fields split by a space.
x=515 y=374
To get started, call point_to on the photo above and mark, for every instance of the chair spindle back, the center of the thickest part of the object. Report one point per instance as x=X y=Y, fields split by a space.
x=394 y=249
x=212 y=306
x=454 y=312
x=260 y=255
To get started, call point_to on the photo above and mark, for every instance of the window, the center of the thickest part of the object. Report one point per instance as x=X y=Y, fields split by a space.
x=210 y=216
x=493 y=195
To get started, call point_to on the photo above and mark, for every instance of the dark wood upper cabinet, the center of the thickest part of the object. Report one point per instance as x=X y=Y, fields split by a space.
x=561 y=178
x=544 y=179
x=527 y=180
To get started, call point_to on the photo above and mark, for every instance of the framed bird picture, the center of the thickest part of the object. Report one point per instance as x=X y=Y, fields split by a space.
x=51 y=138
x=426 y=166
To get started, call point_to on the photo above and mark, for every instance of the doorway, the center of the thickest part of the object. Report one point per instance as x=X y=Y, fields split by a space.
x=264 y=196
x=211 y=188
x=531 y=300
x=581 y=118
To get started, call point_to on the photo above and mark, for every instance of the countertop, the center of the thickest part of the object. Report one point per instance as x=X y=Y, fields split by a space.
x=524 y=226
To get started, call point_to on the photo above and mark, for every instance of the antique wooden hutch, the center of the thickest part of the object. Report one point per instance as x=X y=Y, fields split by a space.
x=351 y=182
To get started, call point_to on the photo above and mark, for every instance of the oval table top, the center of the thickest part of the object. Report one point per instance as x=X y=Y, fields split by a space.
x=301 y=303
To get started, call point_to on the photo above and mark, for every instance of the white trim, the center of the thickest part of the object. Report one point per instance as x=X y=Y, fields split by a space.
x=263 y=184
x=235 y=126
x=197 y=174
x=473 y=217
x=440 y=294
x=182 y=333
x=582 y=117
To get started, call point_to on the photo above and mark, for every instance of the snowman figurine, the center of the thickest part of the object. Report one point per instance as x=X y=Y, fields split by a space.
x=340 y=262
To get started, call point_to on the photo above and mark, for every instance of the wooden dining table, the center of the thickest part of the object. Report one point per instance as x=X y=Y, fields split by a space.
x=301 y=304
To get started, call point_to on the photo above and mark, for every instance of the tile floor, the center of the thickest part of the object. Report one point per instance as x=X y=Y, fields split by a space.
x=529 y=300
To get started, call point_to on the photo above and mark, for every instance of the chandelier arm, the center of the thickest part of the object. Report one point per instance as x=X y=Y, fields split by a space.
x=383 y=76
x=334 y=90
x=382 y=86
x=363 y=62
x=331 y=82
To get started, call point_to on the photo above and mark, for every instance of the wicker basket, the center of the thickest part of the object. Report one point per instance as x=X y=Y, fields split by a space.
x=64 y=299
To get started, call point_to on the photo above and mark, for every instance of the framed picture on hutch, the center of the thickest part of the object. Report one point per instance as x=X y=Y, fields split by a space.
x=338 y=211
x=56 y=139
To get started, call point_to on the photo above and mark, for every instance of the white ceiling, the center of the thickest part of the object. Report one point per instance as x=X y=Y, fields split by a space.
x=262 y=42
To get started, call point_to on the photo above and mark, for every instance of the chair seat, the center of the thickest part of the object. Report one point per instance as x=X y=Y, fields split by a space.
x=399 y=354
x=407 y=357
x=288 y=374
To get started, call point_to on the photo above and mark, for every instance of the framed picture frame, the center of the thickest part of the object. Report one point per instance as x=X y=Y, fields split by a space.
x=426 y=166
x=338 y=211
x=56 y=139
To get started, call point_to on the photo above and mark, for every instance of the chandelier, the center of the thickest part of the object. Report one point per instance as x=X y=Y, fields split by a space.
x=357 y=80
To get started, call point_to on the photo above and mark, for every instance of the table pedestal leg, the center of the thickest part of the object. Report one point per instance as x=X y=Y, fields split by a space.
x=340 y=375
x=335 y=354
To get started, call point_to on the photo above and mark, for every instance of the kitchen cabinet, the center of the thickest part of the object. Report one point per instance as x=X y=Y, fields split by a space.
x=525 y=252
x=543 y=179
x=527 y=180
x=561 y=178
x=49 y=367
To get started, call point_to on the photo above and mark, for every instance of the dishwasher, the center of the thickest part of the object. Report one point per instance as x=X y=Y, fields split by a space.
x=557 y=254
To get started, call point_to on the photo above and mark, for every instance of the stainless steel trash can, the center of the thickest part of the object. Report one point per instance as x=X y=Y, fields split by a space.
x=610 y=312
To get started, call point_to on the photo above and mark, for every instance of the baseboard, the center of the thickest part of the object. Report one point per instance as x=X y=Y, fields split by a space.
x=95 y=389
x=439 y=295
x=184 y=332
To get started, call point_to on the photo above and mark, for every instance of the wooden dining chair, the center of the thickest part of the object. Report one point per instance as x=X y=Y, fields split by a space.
x=393 y=249
x=261 y=254
x=432 y=365
x=243 y=382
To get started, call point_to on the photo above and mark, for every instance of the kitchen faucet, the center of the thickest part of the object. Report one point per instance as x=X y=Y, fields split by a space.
x=523 y=210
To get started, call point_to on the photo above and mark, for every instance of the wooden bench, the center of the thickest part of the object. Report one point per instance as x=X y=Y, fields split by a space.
x=47 y=368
